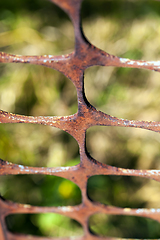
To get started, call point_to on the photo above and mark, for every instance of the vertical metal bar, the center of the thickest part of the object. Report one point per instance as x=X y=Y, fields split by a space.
x=2 y=230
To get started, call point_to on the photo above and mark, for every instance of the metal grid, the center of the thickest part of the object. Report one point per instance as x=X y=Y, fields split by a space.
x=73 y=66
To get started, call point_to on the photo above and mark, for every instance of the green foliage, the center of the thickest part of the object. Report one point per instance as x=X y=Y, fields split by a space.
x=124 y=226
x=48 y=224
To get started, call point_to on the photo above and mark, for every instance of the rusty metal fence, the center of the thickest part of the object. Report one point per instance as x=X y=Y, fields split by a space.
x=73 y=66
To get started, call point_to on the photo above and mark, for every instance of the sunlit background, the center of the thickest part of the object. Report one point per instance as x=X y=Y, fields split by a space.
x=127 y=29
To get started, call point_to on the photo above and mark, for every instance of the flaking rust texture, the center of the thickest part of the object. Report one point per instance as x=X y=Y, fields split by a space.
x=73 y=66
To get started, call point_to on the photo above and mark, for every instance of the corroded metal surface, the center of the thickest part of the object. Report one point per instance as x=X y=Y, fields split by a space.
x=73 y=66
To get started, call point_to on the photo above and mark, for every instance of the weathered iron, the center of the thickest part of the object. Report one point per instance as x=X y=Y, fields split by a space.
x=73 y=66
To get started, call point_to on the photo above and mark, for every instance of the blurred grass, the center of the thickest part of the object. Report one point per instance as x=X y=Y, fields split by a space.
x=127 y=29
x=124 y=226
x=44 y=224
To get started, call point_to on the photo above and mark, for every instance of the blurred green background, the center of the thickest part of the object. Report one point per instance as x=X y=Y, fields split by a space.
x=127 y=29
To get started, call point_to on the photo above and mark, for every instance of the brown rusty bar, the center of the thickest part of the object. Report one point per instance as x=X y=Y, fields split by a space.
x=73 y=66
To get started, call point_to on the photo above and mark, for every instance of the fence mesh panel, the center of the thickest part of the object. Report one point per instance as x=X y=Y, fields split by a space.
x=73 y=66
